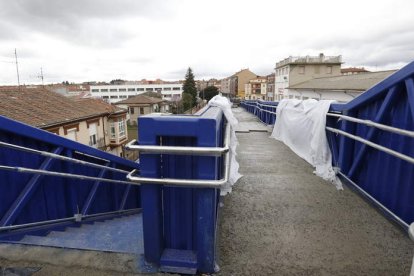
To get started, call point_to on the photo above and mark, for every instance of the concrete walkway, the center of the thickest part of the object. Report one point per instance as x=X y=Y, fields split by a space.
x=281 y=219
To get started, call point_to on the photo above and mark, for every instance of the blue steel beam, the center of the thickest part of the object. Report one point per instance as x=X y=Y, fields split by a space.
x=21 y=201
x=92 y=192
x=409 y=84
x=387 y=104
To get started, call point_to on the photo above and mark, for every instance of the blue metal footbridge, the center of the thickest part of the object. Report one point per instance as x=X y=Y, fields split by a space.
x=165 y=208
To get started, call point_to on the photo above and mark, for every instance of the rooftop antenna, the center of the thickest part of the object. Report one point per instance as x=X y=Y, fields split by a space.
x=17 y=67
x=41 y=76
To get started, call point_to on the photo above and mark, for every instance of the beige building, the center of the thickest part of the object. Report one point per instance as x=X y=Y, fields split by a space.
x=270 y=87
x=225 y=87
x=238 y=82
x=256 y=89
x=88 y=121
x=341 y=88
x=141 y=105
x=294 y=70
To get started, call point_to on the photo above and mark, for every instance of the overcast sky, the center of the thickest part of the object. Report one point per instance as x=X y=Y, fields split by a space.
x=84 y=40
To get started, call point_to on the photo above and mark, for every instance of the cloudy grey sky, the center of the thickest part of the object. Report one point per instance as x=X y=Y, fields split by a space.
x=81 y=40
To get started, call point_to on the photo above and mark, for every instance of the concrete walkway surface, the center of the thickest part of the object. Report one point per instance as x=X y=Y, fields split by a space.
x=281 y=219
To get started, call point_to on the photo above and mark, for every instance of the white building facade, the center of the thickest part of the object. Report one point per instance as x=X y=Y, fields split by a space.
x=116 y=93
x=294 y=70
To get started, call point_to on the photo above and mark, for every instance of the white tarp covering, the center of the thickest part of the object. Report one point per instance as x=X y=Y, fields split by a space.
x=225 y=105
x=301 y=126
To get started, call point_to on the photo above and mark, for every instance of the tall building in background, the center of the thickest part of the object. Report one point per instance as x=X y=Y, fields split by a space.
x=294 y=70
x=238 y=81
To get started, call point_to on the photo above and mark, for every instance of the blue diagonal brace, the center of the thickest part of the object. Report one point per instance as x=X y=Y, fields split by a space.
x=384 y=109
x=125 y=197
x=21 y=201
x=92 y=192
x=409 y=84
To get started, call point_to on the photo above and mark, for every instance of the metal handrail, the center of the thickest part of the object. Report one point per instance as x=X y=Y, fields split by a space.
x=201 y=151
x=374 y=124
x=374 y=145
x=264 y=110
x=272 y=106
x=67 y=175
x=60 y=157
x=76 y=217
x=196 y=183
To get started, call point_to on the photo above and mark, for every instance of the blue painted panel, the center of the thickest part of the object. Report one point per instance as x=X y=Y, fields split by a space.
x=178 y=218
x=55 y=197
x=388 y=179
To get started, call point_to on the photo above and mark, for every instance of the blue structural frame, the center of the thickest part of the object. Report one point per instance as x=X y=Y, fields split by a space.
x=180 y=222
x=385 y=180
x=34 y=198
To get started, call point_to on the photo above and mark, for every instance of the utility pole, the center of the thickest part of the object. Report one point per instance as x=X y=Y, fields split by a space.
x=17 y=67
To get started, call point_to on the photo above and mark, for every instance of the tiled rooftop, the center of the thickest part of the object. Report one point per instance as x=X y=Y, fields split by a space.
x=42 y=108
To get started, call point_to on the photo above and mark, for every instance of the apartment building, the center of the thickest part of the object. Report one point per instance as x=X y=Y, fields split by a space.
x=88 y=121
x=256 y=89
x=141 y=105
x=270 y=83
x=116 y=93
x=294 y=70
x=238 y=81
x=225 y=87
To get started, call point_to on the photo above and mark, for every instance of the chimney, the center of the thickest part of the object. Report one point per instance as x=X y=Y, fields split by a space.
x=321 y=56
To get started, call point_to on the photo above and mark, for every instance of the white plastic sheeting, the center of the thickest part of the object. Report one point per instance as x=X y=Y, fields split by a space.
x=301 y=126
x=234 y=175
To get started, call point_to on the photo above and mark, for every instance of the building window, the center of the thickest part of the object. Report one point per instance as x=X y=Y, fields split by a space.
x=122 y=89
x=140 y=89
x=71 y=134
x=123 y=96
x=92 y=140
x=149 y=89
x=95 y=90
x=328 y=69
x=176 y=88
x=131 y=89
x=112 y=129
x=141 y=110
x=113 y=90
x=131 y=110
x=167 y=88
x=104 y=90
x=302 y=70
x=121 y=127
x=105 y=97
x=114 y=97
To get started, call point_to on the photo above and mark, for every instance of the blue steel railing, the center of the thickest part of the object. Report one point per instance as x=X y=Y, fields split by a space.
x=372 y=143
x=376 y=152
x=180 y=188
x=265 y=111
x=50 y=182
